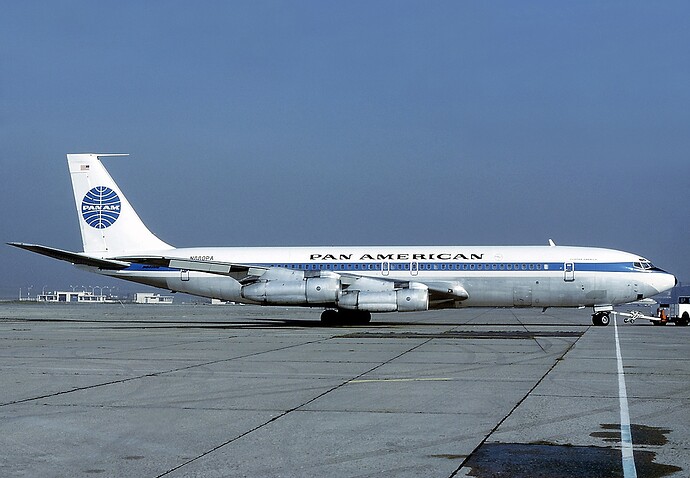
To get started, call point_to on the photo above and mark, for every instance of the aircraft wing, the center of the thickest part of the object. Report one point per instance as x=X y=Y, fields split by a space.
x=439 y=291
x=73 y=257
x=240 y=272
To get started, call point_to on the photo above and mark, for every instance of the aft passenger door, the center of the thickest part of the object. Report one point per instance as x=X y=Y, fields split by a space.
x=569 y=271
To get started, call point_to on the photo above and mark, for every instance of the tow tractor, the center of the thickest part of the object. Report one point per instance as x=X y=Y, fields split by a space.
x=679 y=314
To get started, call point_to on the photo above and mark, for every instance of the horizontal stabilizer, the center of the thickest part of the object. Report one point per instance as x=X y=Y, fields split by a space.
x=73 y=257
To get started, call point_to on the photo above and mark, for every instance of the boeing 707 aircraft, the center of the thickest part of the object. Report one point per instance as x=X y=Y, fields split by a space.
x=349 y=283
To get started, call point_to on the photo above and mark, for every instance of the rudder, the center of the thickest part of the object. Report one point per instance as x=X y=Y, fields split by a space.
x=107 y=221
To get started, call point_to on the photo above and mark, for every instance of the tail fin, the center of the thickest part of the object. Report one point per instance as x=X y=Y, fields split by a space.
x=107 y=221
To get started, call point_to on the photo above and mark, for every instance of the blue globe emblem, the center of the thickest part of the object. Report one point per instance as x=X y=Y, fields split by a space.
x=100 y=207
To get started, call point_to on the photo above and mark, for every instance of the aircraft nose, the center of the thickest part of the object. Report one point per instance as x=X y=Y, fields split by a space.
x=659 y=281
x=666 y=281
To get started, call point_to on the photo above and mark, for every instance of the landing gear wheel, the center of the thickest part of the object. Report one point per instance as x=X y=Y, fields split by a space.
x=601 y=319
x=362 y=318
x=605 y=319
x=354 y=317
x=330 y=317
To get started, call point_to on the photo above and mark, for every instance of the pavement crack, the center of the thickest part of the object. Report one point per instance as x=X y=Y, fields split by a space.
x=157 y=374
x=294 y=409
x=515 y=407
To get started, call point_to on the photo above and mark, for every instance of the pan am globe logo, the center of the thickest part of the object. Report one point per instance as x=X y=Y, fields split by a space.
x=100 y=207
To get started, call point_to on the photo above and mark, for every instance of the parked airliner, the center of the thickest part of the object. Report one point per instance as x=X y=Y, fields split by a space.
x=349 y=283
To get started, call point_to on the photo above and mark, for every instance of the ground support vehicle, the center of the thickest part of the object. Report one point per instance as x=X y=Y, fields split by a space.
x=677 y=313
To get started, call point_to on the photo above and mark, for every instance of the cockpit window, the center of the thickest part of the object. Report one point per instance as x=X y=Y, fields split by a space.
x=643 y=264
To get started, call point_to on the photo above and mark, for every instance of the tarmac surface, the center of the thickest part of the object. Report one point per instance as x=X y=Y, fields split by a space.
x=215 y=391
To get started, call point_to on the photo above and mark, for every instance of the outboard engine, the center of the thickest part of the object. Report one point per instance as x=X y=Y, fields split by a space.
x=401 y=300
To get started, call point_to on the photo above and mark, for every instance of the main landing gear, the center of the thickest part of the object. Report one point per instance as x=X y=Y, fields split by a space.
x=601 y=319
x=333 y=317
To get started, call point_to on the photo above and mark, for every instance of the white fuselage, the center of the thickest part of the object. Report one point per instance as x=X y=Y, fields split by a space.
x=498 y=276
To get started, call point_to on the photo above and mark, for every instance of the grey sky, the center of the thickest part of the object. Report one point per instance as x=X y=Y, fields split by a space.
x=299 y=123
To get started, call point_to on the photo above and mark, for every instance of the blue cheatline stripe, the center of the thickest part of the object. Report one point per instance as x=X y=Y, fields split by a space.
x=628 y=460
x=144 y=268
x=436 y=266
x=457 y=266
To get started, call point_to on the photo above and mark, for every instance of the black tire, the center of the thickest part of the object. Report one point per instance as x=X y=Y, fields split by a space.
x=355 y=317
x=330 y=317
x=684 y=320
x=601 y=319
x=363 y=318
x=605 y=320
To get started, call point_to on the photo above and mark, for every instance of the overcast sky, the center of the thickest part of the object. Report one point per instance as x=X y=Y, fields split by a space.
x=350 y=123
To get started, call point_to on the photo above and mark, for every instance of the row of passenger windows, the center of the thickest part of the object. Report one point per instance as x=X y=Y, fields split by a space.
x=422 y=266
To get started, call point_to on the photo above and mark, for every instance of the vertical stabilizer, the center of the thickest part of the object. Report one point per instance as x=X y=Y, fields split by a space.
x=107 y=221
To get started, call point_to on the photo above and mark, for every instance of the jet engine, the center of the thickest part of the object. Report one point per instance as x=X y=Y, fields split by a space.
x=401 y=300
x=313 y=290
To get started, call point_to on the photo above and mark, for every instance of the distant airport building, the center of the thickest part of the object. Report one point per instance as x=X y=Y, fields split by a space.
x=152 y=298
x=223 y=302
x=73 y=297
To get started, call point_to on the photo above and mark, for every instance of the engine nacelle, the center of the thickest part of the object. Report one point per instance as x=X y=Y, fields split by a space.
x=401 y=300
x=314 y=290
